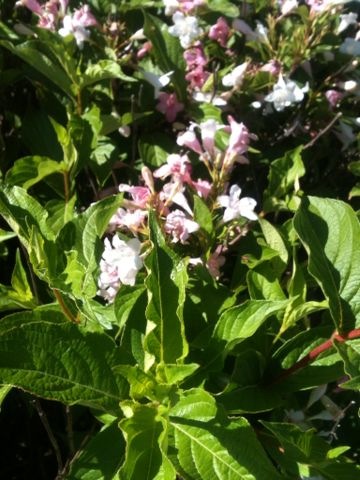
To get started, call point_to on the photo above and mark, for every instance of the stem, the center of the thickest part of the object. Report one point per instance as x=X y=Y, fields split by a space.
x=324 y=130
x=69 y=430
x=315 y=352
x=66 y=186
x=64 y=308
x=49 y=432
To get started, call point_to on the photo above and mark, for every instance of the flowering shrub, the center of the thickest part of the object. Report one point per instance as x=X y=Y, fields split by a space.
x=178 y=198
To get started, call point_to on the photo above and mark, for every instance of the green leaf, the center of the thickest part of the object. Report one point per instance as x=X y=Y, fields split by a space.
x=241 y=322
x=329 y=230
x=306 y=447
x=32 y=53
x=154 y=149
x=145 y=431
x=4 y=390
x=202 y=215
x=23 y=213
x=59 y=362
x=283 y=177
x=28 y=171
x=165 y=340
x=19 y=281
x=103 y=70
x=276 y=242
x=211 y=446
x=100 y=459
x=350 y=353
x=224 y=7
x=167 y=51
x=5 y=235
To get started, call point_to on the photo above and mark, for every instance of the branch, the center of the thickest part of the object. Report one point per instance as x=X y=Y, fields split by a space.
x=313 y=354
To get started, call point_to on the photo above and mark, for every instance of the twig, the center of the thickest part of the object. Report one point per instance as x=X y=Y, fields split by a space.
x=50 y=434
x=64 y=308
x=69 y=430
x=313 y=354
x=324 y=130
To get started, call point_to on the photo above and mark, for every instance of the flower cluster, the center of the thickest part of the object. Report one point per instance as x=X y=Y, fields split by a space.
x=174 y=203
x=54 y=13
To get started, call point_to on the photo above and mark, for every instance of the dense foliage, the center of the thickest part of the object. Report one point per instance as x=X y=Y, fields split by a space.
x=179 y=238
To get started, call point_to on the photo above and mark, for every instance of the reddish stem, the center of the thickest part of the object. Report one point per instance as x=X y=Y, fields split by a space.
x=313 y=354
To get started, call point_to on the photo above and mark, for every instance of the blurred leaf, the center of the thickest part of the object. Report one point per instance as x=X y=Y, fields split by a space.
x=31 y=52
x=283 y=177
x=224 y=7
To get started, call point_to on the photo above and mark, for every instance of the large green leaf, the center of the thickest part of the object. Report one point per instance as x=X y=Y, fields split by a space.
x=330 y=232
x=211 y=446
x=145 y=431
x=241 y=322
x=28 y=171
x=165 y=340
x=32 y=53
x=59 y=362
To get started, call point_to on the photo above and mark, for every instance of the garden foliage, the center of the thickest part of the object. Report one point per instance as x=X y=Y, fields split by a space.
x=179 y=235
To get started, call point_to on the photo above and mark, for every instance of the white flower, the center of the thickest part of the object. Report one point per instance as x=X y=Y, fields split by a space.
x=186 y=28
x=80 y=33
x=171 y=6
x=285 y=92
x=236 y=207
x=208 y=97
x=350 y=47
x=119 y=265
x=157 y=81
x=346 y=20
x=235 y=78
x=261 y=32
x=288 y=5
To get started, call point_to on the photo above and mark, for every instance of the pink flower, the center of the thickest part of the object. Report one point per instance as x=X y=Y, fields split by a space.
x=236 y=207
x=195 y=57
x=272 y=66
x=239 y=138
x=146 y=47
x=132 y=220
x=32 y=5
x=169 y=105
x=178 y=166
x=172 y=192
x=83 y=17
x=220 y=32
x=202 y=187
x=333 y=97
x=179 y=226
x=197 y=77
x=140 y=195
x=208 y=131
x=215 y=262
x=188 y=139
